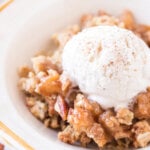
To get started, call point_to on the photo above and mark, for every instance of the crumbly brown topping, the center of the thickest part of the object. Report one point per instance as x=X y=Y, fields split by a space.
x=50 y=97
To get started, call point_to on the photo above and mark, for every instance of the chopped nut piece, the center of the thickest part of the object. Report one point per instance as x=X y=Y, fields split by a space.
x=61 y=107
x=125 y=116
x=51 y=100
x=142 y=133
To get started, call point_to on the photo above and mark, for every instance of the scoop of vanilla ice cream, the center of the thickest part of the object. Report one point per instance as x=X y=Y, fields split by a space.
x=109 y=64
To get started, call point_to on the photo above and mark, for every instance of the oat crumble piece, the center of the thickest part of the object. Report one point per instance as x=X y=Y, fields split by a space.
x=83 y=121
x=92 y=106
x=68 y=135
x=42 y=63
x=84 y=139
x=141 y=132
x=29 y=84
x=98 y=134
x=125 y=116
x=141 y=106
x=112 y=125
x=39 y=110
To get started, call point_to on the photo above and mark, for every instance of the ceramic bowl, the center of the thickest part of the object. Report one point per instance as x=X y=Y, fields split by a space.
x=34 y=35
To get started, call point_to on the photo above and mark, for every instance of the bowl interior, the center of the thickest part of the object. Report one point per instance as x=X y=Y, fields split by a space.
x=35 y=34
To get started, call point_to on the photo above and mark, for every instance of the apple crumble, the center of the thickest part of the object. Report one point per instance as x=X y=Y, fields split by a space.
x=52 y=97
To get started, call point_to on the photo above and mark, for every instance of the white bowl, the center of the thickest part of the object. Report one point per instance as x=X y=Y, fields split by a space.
x=33 y=36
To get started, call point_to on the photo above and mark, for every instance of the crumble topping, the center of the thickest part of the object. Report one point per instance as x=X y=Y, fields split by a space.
x=50 y=96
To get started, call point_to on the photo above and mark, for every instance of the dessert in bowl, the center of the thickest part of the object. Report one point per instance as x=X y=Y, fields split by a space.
x=93 y=82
